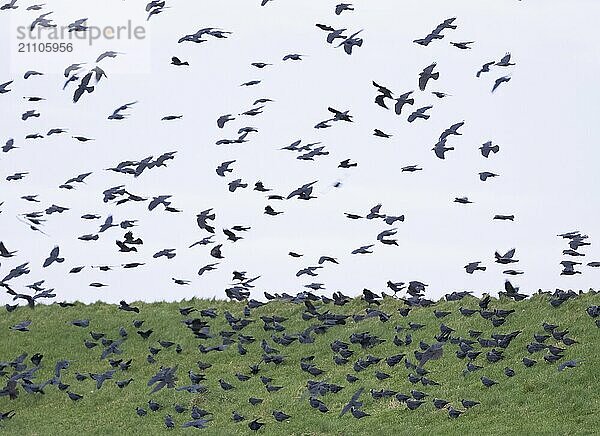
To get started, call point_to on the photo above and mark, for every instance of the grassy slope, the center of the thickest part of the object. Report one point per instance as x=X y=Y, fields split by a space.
x=538 y=400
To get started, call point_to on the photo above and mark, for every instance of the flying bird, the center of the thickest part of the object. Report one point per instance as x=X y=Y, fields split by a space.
x=463 y=45
x=505 y=61
x=474 y=266
x=426 y=75
x=485 y=68
x=488 y=148
x=4 y=87
x=505 y=258
x=343 y=7
x=419 y=113
x=500 y=81
x=53 y=258
x=108 y=54
x=177 y=62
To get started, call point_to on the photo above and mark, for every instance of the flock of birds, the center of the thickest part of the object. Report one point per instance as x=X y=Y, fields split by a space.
x=82 y=81
x=359 y=353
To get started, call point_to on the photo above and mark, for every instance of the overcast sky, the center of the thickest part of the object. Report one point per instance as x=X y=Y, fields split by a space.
x=544 y=121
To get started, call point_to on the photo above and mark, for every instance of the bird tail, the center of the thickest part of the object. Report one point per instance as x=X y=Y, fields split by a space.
x=435 y=76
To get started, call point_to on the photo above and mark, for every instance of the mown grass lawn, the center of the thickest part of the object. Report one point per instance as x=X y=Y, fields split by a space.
x=537 y=400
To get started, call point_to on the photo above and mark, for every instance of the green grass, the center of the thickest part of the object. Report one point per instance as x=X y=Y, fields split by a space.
x=538 y=400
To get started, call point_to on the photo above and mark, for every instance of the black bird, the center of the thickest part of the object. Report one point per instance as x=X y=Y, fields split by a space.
x=414 y=404
x=439 y=404
x=315 y=403
x=568 y=364
x=81 y=322
x=6 y=415
x=379 y=133
x=123 y=383
x=293 y=57
x=505 y=258
x=381 y=375
x=467 y=404
x=385 y=92
x=500 y=81
x=483 y=176
x=4 y=87
x=177 y=62
x=487 y=382
x=357 y=413
x=462 y=45
x=225 y=386
x=402 y=100
x=420 y=113
x=505 y=61
x=343 y=7
x=53 y=258
x=197 y=423
x=4 y=252
x=102 y=377
x=426 y=75
x=485 y=68
x=255 y=425
x=73 y=396
x=224 y=119
x=487 y=147
x=145 y=334
x=216 y=252
x=351 y=378
x=453 y=413
x=280 y=416
x=474 y=266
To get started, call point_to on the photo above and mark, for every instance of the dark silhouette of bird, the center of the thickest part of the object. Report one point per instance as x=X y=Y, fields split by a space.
x=177 y=62
x=73 y=396
x=53 y=258
x=485 y=68
x=426 y=75
x=255 y=425
x=505 y=61
x=379 y=133
x=487 y=382
x=462 y=45
x=500 y=81
x=419 y=113
x=280 y=416
x=341 y=7
x=474 y=266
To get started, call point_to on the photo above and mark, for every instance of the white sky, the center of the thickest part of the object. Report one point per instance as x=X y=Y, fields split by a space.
x=544 y=120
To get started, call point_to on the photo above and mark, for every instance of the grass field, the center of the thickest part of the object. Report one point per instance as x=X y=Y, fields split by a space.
x=537 y=400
